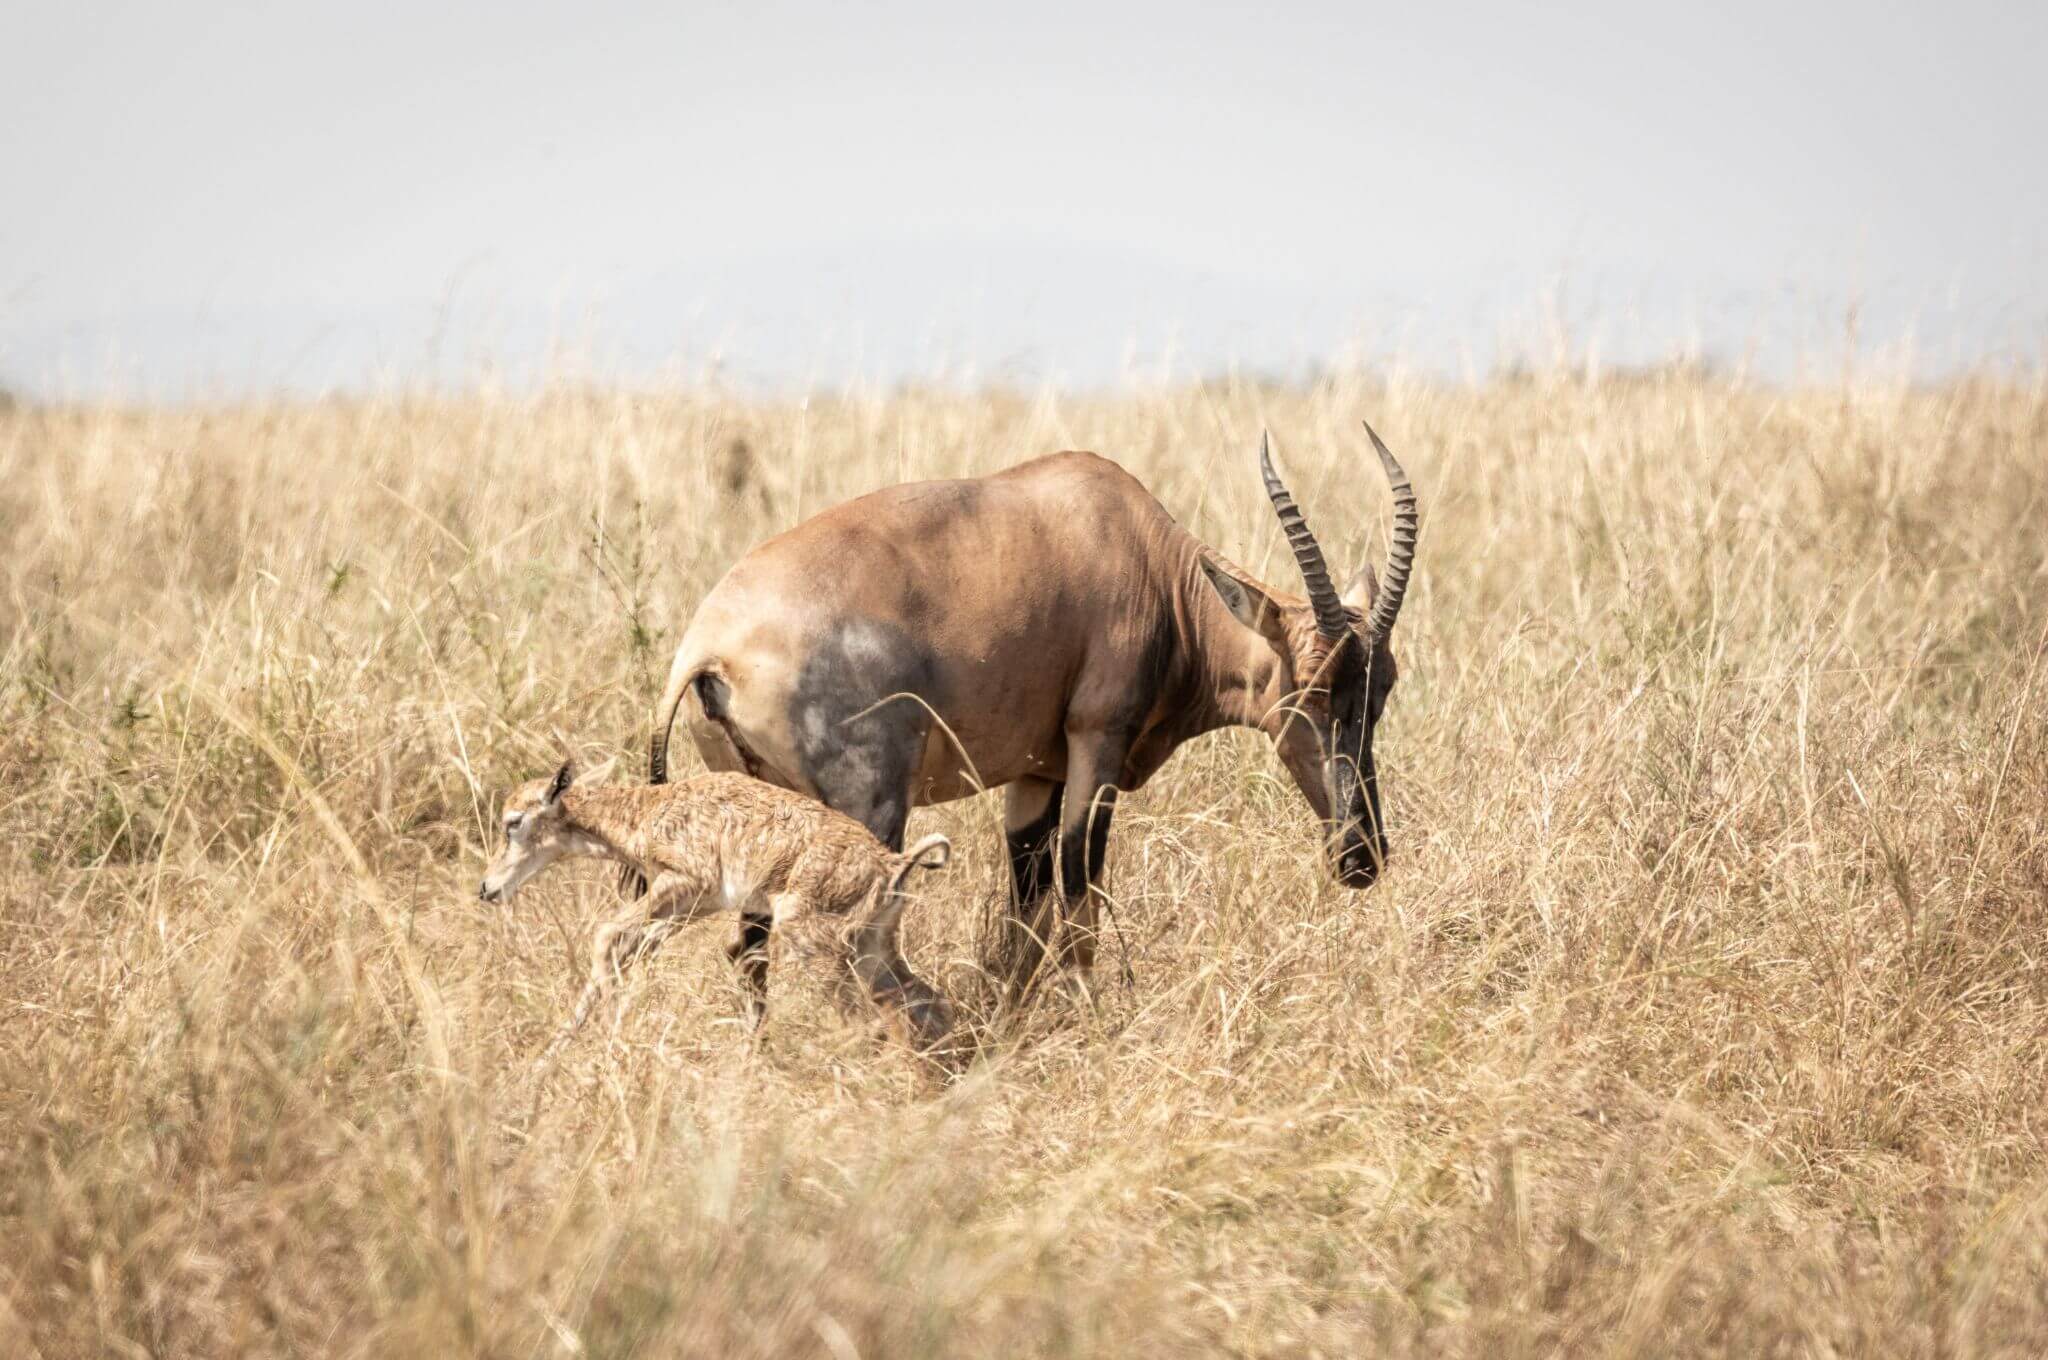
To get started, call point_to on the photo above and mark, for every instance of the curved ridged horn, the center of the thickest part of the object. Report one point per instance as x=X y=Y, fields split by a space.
x=1393 y=583
x=1331 y=620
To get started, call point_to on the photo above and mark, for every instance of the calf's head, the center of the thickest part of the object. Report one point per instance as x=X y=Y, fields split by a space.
x=1337 y=666
x=536 y=835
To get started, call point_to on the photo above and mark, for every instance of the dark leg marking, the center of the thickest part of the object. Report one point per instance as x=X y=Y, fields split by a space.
x=857 y=746
x=1030 y=849
x=1084 y=846
x=1031 y=836
x=886 y=816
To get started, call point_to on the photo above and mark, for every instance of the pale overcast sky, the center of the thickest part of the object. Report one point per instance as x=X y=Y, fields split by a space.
x=213 y=197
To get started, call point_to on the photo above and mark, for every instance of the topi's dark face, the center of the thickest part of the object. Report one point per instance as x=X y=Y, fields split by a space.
x=1325 y=740
x=1343 y=670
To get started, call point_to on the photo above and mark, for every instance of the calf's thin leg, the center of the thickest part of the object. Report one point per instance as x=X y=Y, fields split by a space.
x=616 y=946
x=749 y=954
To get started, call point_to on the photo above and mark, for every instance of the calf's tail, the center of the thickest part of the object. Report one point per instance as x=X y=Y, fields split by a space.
x=930 y=853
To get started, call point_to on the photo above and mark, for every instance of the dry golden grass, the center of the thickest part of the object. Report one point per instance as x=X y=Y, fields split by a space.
x=1702 y=1010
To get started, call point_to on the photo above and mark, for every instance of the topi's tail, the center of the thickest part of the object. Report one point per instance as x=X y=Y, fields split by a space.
x=665 y=721
x=632 y=882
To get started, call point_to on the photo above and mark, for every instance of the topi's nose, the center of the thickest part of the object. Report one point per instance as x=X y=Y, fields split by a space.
x=1359 y=867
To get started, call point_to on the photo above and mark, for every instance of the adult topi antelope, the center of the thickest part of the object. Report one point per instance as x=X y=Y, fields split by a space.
x=1049 y=629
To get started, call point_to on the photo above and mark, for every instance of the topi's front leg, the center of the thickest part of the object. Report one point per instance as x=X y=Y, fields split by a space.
x=1031 y=821
x=1095 y=762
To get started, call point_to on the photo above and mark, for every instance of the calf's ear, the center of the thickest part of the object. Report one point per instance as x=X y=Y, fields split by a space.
x=564 y=777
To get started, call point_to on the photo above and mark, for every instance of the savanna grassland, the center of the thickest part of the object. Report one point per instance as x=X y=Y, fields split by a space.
x=1702 y=1008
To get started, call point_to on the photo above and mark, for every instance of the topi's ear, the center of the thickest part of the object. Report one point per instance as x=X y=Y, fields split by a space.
x=1362 y=589
x=564 y=777
x=1247 y=604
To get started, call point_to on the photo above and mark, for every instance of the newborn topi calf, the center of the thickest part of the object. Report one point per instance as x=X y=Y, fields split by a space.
x=728 y=843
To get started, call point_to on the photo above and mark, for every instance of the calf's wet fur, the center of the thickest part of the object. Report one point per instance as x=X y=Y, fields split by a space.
x=723 y=842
